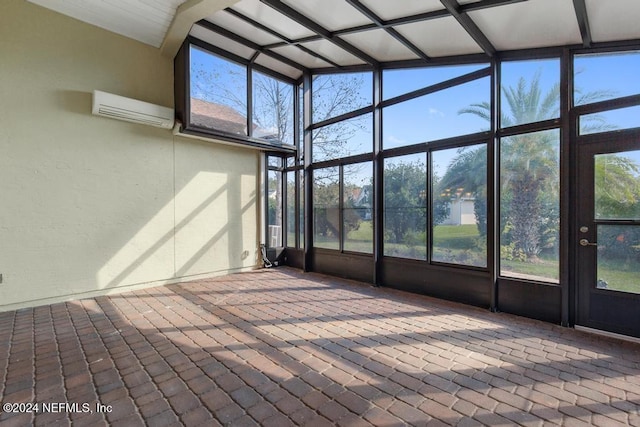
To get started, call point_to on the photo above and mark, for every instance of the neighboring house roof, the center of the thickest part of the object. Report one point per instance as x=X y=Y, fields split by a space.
x=217 y=116
x=226 y=119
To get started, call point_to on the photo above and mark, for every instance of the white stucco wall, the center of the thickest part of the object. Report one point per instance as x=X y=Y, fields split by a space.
x=91 y=205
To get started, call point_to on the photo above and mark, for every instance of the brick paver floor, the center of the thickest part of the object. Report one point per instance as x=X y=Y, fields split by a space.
x=279 y=347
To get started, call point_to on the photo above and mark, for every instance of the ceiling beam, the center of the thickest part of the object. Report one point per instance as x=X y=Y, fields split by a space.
x=390 y=30
x=484 y=4
x=287 y=41
x=188 y=13
x=305 y=21
x=583 y=22
x=239 y=39
x=470 y=27
x=385 y=24
x=420 y=17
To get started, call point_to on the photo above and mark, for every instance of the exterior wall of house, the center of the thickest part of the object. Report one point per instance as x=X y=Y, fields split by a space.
x=461 y=213
x=91 y=205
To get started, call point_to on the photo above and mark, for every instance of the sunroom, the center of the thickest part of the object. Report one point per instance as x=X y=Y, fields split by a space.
x=479 y=151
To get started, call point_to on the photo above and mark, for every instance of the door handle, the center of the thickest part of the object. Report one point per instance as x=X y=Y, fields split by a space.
x=585 y=242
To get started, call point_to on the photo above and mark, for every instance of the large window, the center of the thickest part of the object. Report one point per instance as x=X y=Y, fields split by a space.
x=213 y=89
x=605 y=80
x=459 y=205
x=438 y=115
x=343 y=139
x=529 y=227
x=291 y=209
x=357 y=207
x=530 y=91
x=405 y=80
x=272 y=109
x=336 y=94
x=274 y=214
x=621 y=70
x=218 y=93
x=405 y=206
x=326 y=208
x=347 y=223
x=529 y=206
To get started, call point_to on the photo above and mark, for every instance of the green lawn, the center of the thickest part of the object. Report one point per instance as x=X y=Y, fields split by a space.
x=459 y=244
x=620 y=275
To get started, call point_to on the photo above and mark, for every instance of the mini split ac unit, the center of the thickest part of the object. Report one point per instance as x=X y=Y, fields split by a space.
x=121 y=108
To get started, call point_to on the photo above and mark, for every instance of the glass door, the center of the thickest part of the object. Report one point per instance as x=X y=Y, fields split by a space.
x=608 y=235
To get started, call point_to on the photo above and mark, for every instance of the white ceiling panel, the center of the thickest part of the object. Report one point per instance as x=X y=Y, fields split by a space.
x=301 y=57
x=333 y=52
x=144 y=20
x=278 y=66
x=222 y=42
x=266 y=15
x=530 y=24
x=387 y=9
x=242 y=28
x=331 y=14
x=380 y=45
x=440 y=37
x=614 y=20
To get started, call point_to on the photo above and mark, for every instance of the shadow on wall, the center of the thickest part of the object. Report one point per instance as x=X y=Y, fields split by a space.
x=99 y=203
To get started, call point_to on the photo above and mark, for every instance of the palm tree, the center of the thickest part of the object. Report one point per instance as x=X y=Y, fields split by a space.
x=529 y=167
x=529 y=164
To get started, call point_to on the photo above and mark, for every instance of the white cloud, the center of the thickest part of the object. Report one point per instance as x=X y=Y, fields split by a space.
x=396 y=141
x=435 y=112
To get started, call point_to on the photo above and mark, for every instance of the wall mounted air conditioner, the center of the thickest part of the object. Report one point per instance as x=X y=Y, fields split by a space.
x=121 y=108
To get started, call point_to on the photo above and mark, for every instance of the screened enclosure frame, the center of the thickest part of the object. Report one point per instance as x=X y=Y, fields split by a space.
x=526 y=296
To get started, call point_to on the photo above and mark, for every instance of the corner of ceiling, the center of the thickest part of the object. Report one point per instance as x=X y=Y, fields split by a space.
x=188 y=13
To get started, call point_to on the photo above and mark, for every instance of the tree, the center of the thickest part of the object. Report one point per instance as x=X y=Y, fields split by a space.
x=333 y=95
x=529 y=165
x=617 y=196
x=468 y=172
x=617 y=187
x=529 y=168
x=405 y=202
x=273 y=109
x=326 y=204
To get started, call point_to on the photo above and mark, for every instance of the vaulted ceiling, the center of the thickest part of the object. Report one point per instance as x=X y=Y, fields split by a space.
x=290 y=36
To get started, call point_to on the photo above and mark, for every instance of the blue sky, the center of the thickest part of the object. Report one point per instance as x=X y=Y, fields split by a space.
x=437 y=115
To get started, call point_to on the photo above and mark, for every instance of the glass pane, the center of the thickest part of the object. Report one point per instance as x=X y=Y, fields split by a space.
x=530 y=91
x=335 y=94
x=617 y=186
x=439 y=115
x=274 y=161
x=301 y=210
x=405 y=206
x=342 y=139
x=300 y=142
x=618 y=258
x=620 y=118
x=272 y=109
x=291 y=209
x=529 y=206
x=459 y=200
x=599 y=77
x=326 y=206
x=274 y=216
x=358 y=207
x=218 y=93
x=399 y=82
